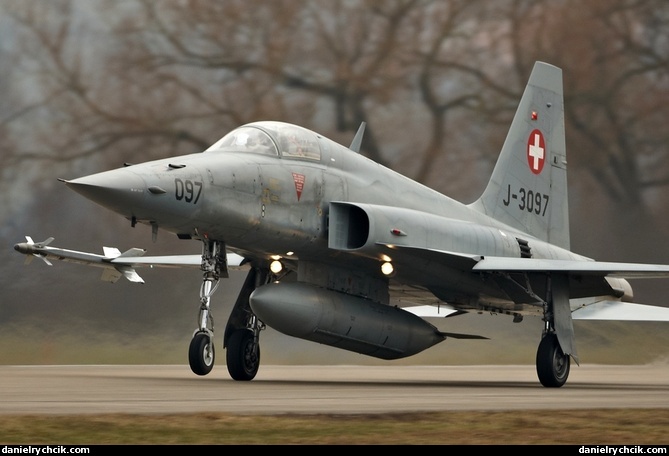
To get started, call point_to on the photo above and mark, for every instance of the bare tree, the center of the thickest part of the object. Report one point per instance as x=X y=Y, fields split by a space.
x=90 y=84
x=435 y=81
x=616 y=69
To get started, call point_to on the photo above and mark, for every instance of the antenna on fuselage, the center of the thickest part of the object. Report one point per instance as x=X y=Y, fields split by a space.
x=357 y=139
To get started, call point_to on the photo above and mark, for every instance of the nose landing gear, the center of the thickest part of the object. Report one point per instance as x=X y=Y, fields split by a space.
x=201 y=352
x=242 y=332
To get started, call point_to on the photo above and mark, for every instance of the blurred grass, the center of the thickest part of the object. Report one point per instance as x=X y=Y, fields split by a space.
x=582 y=427
x=28 y=342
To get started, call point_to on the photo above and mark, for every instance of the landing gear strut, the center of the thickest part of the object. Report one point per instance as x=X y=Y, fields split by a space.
x=243 y=352
x=242 y=333
x=214 y=266
x=552 y=362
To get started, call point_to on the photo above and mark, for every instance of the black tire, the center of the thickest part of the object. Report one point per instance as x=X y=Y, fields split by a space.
x=552 y=363
x=201 y=354
x=242 y=355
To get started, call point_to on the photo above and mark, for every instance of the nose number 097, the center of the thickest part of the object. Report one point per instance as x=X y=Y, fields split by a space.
x=187 y=190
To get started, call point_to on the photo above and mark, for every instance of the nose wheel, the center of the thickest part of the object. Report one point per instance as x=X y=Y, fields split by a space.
x=201 y=353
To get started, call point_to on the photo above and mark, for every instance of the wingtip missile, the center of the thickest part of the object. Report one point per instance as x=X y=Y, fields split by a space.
x=43 y=251
x=116 y=264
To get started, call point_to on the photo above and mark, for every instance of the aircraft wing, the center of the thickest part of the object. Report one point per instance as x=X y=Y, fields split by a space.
x=591 y=308
x=480 y=263
x=590 y=274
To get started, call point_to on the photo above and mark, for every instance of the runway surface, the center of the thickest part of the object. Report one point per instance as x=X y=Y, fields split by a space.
x=323 y=389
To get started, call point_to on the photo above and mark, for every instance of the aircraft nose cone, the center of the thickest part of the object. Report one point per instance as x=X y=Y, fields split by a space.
x=120 y=190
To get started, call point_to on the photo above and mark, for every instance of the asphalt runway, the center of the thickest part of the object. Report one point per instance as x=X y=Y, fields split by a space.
x=323 y=389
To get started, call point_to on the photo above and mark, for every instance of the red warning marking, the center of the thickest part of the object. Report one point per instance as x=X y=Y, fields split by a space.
x=536 y=151
x=299 y=184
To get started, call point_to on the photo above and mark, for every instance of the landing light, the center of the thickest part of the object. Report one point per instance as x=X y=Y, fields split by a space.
x=275 y=266
x=387 y=268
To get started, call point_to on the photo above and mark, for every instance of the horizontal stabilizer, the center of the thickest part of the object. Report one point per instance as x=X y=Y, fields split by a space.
x=463 y=336
x=441 y=311
x=616 y=310
x=622 y=270
x=433 y=311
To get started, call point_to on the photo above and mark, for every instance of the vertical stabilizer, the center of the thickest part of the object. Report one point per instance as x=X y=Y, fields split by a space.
x=528 y=187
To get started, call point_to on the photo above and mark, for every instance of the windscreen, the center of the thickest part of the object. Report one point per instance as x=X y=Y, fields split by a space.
x=245 y=139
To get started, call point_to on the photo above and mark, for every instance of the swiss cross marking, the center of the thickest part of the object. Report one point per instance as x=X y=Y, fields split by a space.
x=536 y=151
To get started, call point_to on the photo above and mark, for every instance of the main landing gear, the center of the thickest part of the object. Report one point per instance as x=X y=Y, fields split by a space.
x=552 y=363
x=242 y=331
x=557 y=341
x=243 y=352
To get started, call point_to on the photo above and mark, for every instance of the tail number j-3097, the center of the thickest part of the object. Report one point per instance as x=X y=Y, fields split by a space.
x=528 y=200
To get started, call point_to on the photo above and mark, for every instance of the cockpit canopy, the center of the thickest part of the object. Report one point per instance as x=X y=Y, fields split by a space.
x=270 y=138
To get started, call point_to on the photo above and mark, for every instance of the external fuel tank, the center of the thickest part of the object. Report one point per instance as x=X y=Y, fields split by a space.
x=344 y=321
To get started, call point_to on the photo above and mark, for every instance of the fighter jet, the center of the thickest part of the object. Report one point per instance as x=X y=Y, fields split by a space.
x=345 y=252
